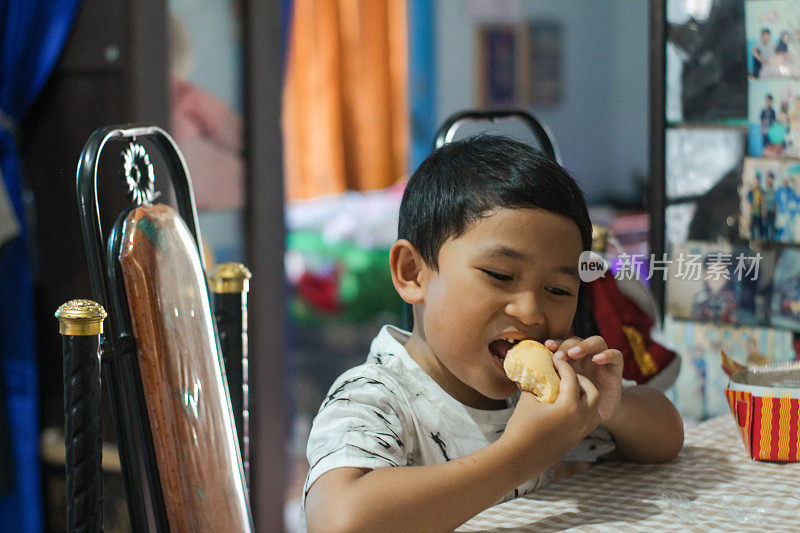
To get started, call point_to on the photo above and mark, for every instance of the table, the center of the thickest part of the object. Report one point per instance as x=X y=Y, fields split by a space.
x=711 y=486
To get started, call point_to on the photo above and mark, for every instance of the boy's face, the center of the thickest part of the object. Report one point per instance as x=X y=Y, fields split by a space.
x=513 y=274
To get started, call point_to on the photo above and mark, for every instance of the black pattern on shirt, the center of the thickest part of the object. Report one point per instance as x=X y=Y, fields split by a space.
x=336 y=394
x=441 y=444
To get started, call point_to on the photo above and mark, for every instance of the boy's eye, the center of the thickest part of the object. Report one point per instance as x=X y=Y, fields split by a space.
x=558 y=291
x=496 y=275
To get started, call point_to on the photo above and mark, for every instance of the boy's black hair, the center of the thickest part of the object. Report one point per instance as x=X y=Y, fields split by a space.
x=463 y=180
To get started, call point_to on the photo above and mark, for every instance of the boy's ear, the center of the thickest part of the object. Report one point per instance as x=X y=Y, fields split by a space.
x=408 y=270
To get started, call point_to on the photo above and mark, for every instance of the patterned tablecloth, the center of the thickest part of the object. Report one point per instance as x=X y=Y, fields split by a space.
x=711 y=486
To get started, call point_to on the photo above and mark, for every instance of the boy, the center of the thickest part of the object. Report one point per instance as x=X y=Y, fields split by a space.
x=767 y=118
x=762 y=52
x=489 y=238
x=770 y=208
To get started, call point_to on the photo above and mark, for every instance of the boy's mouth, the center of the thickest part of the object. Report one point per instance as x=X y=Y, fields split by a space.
x=500 y=347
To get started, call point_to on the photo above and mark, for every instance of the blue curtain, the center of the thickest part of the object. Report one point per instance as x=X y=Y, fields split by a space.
x=421 y=79
x=32 y=35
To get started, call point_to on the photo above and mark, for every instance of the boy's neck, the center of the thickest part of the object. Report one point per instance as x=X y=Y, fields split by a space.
x=421 y=352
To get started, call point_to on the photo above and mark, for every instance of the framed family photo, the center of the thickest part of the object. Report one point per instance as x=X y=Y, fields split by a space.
x=773 y=110
x=711 y=282
x=785 y=306
x=698 y=391
x=772 y=30
x=769 y=196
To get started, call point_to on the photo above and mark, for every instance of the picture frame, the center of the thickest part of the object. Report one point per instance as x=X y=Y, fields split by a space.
x=518 y=64
x=773 y=109
x=773 y=38
x=785 y=302
x=545 y=37
x=719 y=282
x=501 y=58
x=698 y=391
x=769 y=196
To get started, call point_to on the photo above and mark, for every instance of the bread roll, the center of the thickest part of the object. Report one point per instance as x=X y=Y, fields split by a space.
x=530 y=364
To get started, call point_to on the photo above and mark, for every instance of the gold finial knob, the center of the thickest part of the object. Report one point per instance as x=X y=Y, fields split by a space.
x=230 y=278
x=599 y=238
x=80 y=317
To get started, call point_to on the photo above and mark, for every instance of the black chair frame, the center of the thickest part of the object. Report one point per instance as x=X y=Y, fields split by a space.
x=120 y=367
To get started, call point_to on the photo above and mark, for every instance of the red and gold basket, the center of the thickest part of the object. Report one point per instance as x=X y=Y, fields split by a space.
x=765 y=401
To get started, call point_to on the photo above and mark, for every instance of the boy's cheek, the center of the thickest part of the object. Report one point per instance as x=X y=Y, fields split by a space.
x=561 y=321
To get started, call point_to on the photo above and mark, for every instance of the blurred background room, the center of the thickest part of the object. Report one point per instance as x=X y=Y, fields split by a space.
x=300 y=122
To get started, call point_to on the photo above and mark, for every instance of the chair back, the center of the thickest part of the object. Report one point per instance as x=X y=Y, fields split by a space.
x=187 y=402
x=161 y=357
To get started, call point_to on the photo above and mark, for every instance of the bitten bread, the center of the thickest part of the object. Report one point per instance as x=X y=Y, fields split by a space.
x=530 y=364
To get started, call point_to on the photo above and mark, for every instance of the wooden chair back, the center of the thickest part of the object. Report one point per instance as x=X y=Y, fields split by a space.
x=161 y=357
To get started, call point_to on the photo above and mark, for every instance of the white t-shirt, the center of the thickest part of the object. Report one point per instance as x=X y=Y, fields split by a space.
x=389 y=412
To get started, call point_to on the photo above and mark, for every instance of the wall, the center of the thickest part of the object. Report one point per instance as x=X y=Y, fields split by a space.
x=600 y=126
x=629 y=93
x=216 y=46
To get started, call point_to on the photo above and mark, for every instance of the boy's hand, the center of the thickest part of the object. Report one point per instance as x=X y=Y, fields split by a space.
x=572 y=416
x=593 y=359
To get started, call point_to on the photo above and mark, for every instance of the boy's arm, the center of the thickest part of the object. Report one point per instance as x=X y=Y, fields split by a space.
x=441 y=497
x=417 y=498
x=646 y=427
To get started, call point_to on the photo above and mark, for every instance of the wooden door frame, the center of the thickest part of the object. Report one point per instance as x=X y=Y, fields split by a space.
x=656 y=197
x=265 y=243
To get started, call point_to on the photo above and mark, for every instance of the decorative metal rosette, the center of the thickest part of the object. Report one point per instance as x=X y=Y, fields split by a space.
x=138 y=174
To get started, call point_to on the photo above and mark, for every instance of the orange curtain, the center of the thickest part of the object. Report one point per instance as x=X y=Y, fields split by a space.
x=345 y=101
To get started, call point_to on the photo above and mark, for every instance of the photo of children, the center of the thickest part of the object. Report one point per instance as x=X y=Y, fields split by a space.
x=773 y=106
x=698 y=391
x=709 y=282
x=716 y=300
x=786 y=291
x=770 y=200
x=772 y=30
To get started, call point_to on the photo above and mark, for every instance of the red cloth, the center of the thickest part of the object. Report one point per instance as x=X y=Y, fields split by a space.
x=320 y=291
x=626 y=328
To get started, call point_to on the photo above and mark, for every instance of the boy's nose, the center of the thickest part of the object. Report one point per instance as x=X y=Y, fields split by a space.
x=525 y=308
